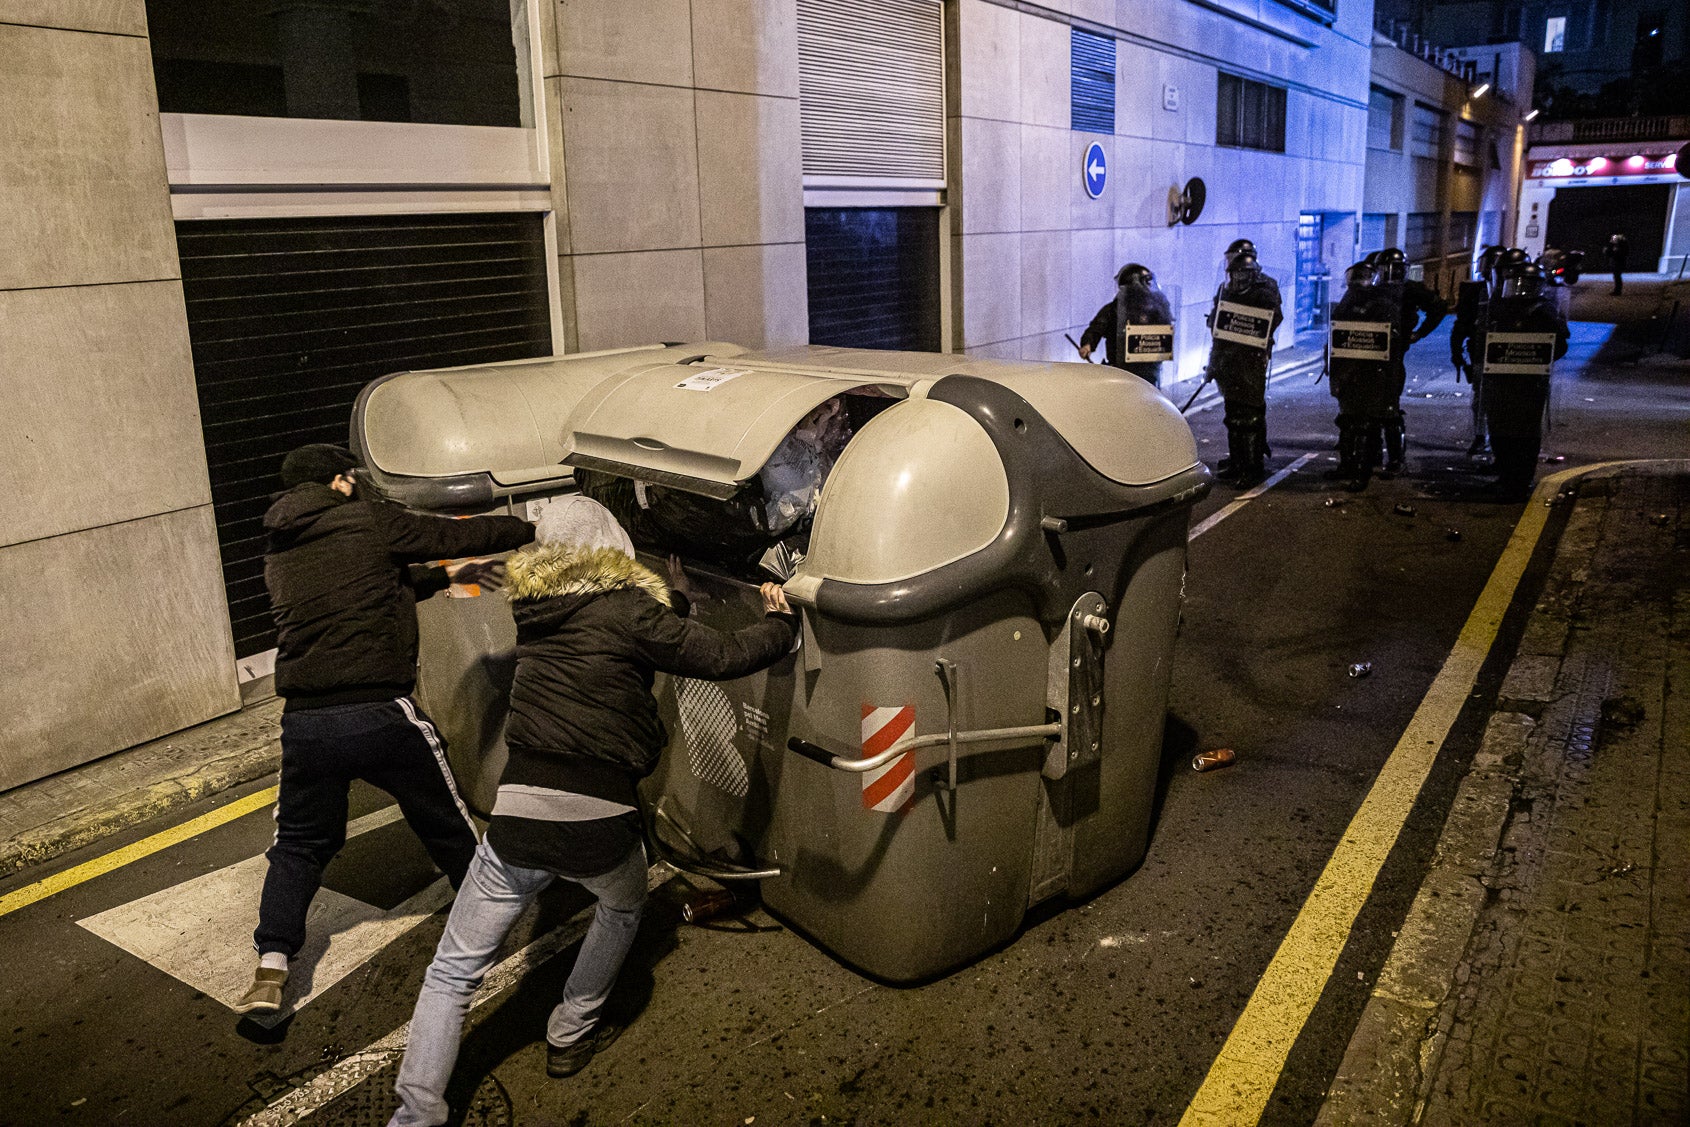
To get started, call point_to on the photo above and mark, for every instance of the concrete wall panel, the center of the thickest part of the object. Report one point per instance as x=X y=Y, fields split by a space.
x=1045 y=172
x=1045 y=281
x=631 y=153
x=1046 y=85
x=82 y=178
x=991 y=168
x=1138 y=89
x=988 y=60
x=638 y=298
x=1092 y=265
x=991 y=304
x=650 y=41
x=116 y=17
x=114 y=636
x=755 y=295
x=750 y=170
x=750 y=46
x=101 y=422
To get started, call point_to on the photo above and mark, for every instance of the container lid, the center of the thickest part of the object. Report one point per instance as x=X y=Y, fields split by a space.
x=705 y=426
x=452 y=435
x=1122 y=426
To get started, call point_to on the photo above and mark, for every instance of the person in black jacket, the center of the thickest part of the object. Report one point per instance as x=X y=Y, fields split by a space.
x=593 y=626
x=344 y=575
x=1138 y=301
x=1239 y=361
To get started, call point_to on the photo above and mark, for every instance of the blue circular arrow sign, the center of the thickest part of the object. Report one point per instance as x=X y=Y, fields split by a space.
x=1094 y=170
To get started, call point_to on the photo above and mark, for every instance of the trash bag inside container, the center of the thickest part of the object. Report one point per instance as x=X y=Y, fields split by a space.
x=773 y=507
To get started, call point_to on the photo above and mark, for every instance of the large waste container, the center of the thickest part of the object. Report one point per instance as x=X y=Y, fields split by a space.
x=989 y=578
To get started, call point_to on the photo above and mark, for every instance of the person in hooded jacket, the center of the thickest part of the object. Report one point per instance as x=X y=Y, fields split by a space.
x=593 y=626
x=1138 y=301
x=344 y=574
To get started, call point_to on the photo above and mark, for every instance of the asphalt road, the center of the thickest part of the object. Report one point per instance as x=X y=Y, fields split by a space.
x=1111 y=1010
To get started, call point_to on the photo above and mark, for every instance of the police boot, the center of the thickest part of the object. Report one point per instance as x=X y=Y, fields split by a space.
x=1395 y=444
x=1372 y=446
x=1352 y=464
x=1252 y=448
x=1346 y=447
x=1230 y=467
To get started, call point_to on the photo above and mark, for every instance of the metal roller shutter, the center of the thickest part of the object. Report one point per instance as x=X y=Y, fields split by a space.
x=871 y=86
x=873 y=276
x=290 y=318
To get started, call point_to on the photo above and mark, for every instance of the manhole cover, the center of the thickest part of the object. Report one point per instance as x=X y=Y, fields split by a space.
x=368 y=1102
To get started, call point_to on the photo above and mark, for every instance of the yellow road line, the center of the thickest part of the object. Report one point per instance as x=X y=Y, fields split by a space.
x=1243 y=1076
x=118 y=858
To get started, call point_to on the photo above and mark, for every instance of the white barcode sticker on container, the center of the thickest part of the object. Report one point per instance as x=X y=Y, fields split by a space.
x=710 y=380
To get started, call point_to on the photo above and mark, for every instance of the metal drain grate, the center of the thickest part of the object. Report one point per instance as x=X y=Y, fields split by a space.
x=370 y=1102
x=709 y=725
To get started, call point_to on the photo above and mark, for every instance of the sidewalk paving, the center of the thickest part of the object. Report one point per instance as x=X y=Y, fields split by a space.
x=1543 y=973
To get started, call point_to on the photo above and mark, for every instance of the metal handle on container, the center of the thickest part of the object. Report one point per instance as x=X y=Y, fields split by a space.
x=951 y=737
x=695 y=863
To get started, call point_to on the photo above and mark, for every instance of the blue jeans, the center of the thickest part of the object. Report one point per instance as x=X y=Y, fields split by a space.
x=493 y=895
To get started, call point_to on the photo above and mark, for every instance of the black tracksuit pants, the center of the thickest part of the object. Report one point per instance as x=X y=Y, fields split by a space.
x=390 y=744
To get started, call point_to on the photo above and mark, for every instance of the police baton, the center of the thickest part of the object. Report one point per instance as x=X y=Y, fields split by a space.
x=1206 y=378
x=1076 y=345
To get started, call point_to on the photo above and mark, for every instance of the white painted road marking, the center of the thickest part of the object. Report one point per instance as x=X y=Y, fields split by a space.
x=200 y=931
x=360 y=1066
x=1245 y=498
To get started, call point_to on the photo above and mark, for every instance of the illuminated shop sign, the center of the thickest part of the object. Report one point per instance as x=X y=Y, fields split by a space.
x=1638 y=164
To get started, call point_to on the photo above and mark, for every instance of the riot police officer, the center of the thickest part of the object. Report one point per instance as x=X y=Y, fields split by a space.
x=1419 y=312
x=1524 y=333
x=1467 y=341
x=1359 y=365
x=1243 y=317
x=1138 y=301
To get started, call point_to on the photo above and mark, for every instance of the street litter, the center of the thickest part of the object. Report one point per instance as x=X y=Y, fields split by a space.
x=1336 y=502
x=1552 y=459
x=1404 y=510
x=1659 y=520
x=1213 y=760
x=1361 y=669
x=1452 y=534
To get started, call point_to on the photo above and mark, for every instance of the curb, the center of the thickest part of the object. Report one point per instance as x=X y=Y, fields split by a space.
x=1393 y=1055
x=105 y=817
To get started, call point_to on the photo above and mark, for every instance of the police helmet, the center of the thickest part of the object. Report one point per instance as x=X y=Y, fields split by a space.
x=1135 y=274
x=1243 y=263
x=1361 y=274
x=1523 y=280
x=1391 y=265
x=1236 y=248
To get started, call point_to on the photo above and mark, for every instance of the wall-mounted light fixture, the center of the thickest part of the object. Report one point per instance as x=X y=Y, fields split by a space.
x=1481 y=90
x=1531 y=115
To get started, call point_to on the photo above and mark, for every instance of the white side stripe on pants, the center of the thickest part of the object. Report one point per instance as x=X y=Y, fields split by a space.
x=426 y=727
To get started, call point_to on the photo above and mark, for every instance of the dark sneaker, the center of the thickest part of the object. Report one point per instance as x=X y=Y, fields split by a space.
x=567 y=1060
x=264 y=996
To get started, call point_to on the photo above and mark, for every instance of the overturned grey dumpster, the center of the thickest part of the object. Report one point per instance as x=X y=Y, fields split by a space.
x=988 y=559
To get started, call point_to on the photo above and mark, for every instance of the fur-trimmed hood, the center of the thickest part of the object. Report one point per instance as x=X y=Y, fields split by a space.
x=549 y=570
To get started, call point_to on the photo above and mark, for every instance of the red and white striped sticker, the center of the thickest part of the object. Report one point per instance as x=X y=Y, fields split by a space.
x=888 y=788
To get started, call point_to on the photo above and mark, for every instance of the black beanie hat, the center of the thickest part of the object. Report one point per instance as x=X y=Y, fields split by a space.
x=320 y=462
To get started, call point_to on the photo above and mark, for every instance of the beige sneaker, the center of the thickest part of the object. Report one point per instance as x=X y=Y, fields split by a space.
x=264 y=996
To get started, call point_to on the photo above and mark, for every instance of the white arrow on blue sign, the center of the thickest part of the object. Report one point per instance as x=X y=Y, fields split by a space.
x=1094 y=170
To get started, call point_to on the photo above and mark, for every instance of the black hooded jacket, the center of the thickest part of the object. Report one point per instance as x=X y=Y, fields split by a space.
x=592 y=629
x=343 y=593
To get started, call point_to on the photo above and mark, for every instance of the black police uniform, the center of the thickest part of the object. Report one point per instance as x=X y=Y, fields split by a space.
x=1240 y=371
x=1363 y=388
x=1514 y=403
x=1419 y=312
x=1467 y=352
x=1133 y=305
